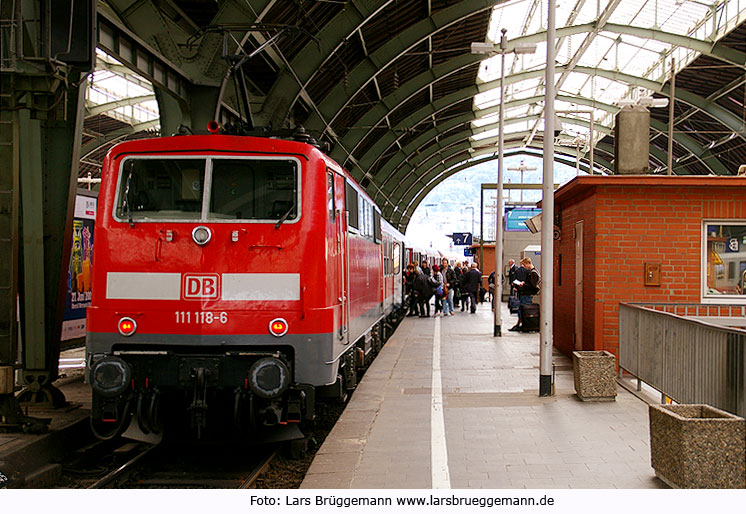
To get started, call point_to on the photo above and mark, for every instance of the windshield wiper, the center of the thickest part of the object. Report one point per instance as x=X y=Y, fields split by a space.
x=285 y=216
x=127 y=199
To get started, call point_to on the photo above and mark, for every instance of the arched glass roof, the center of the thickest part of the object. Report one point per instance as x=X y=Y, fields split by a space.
x=633 y=41
x=392 y=88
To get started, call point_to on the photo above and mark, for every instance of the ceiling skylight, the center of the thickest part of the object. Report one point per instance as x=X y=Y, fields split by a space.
x=631 y=42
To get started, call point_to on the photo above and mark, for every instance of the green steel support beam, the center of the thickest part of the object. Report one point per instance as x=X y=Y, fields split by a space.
x=687 y=142
x=716 y=50
x=397 y=177
x=195 y=112
x=409 y=189
x=292 y=82
x=48 y=146
x=153 y=46
x=389 y=139
x=422 y=172
x=375 y=63
x=400 y=218
x=111 y=106
x=116 y=135
x=375 y=117
x=416 y=147
x=704 y=155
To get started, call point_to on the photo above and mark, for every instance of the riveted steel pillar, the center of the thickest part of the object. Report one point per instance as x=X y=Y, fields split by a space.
x=49 y=151
x=50 y=46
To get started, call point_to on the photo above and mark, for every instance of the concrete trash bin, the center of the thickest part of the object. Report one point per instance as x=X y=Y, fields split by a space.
x=595 y=375
x=697 y=447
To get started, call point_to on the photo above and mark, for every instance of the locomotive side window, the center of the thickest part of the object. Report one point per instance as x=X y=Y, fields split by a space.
x=376 y=226
x=254 y=189
x=330 y=196
x=160 y=189
x=397 y=257
x=351 y=204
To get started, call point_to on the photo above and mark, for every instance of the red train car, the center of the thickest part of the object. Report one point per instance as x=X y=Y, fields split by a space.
x=236 y=279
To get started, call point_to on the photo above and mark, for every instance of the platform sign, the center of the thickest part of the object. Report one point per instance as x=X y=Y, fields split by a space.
x=462 y=238
x=79 y=272
x=515 y=219
x=468 y=252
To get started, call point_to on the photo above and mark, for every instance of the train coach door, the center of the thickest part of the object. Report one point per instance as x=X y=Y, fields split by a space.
x=342 y=311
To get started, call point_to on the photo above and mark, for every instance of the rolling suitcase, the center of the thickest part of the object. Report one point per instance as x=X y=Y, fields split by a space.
x=513 y=304
x=529 y=317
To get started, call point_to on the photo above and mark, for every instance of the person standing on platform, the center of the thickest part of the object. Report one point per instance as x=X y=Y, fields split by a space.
x=451 y=283
x=457 y=286
x=424 y=292
x=527 y=288
x=512 y=268
x=472 y=283
x=436 y=281
x=409 y=289
x=491 y=288
x=425 y=268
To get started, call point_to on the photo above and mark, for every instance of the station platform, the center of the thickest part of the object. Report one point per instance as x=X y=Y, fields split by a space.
x=447 y=405
x=27 y=460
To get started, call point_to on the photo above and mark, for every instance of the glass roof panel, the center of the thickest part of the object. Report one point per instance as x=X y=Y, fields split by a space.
x=606 y=41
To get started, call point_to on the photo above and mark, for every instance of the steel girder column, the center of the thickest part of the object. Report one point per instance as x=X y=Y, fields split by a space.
x=41 y=120
x=9 y=167
x=48 y=169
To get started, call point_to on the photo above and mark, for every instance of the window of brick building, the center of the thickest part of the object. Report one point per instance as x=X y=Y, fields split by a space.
x=724 y=259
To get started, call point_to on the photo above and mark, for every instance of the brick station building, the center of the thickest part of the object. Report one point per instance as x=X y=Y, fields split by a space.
x=643 y=238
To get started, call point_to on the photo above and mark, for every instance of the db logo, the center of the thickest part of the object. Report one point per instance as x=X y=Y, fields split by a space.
x=201 y=287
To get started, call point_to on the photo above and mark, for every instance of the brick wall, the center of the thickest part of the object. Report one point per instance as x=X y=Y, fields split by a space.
x=626 y=226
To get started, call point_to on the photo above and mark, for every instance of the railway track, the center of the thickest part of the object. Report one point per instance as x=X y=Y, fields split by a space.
x=134 y=465
x=164 y=467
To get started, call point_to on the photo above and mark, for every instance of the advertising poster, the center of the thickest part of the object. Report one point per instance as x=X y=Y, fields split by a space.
x=81 y=265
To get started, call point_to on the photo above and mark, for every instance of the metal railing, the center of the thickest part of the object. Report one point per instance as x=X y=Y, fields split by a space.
x=672 y=348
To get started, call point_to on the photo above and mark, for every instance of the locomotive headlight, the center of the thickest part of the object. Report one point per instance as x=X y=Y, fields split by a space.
x=269 y=377
x=278 y=327
x=127 y=326
x=201 y=235
x=110 y=376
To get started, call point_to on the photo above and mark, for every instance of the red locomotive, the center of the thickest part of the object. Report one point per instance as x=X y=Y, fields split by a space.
x=236 y=279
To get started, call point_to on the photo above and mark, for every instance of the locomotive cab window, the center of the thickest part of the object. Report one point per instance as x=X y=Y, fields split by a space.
x=160 y=188
x=254 y=189
x=172 y=188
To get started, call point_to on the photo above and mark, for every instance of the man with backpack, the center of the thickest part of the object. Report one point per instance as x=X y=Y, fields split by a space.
x=527 y=288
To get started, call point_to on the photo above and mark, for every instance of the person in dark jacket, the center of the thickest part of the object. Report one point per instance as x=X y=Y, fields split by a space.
x=452 y=283
x=457 y=285
x=472 y=282
x=424 y=292
x=409 y=277
x=527 y=287
x=425 y=268
x=512 y=268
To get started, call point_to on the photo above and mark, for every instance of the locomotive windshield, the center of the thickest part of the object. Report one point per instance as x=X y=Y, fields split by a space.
x=167 y=188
